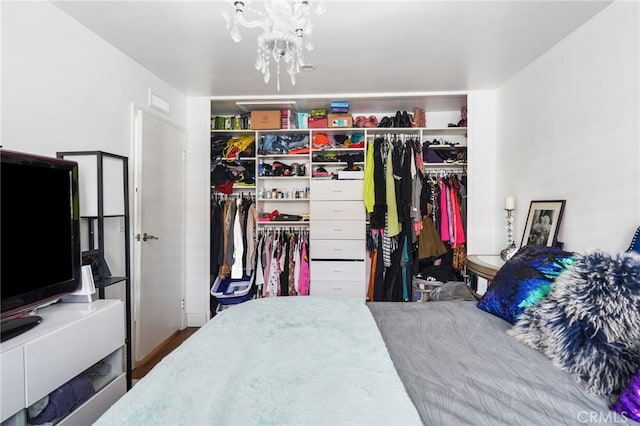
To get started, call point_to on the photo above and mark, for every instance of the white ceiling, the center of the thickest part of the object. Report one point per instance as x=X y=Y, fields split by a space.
x=360 y=46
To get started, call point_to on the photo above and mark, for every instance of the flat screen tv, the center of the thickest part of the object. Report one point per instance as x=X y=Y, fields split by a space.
x=40 y=233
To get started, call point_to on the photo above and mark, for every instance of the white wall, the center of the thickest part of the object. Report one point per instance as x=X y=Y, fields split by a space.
x=65 y=89
x=481 y=184
x=198 y=210
x=568 y=128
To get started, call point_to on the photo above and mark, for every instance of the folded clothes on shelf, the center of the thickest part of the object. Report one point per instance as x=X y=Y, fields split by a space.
x=284 y=144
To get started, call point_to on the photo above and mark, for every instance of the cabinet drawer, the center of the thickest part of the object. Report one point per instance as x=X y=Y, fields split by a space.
x=337 y=288
x=338 y=249
x=68 y=352
x=328 y=270
x=12 y=382
x=336 y=189
x=337 y=230
x=341 y=210
x=95 y=407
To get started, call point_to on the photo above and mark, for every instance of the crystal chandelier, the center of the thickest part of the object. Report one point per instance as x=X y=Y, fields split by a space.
x=286 y=27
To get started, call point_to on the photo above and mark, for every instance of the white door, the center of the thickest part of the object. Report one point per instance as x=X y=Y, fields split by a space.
x=159 y=229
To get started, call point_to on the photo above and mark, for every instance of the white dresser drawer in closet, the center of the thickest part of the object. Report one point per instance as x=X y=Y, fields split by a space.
x=338 y=249
x=336 y=190
x=336 y=270
x=341 y=210
x=337 y=230
x=338 y=288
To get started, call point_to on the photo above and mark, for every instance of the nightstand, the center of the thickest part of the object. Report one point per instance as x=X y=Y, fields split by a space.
x=482 y=265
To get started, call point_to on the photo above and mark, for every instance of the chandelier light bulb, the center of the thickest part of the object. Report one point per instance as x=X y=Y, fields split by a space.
x=320 y=7
x=235 y=34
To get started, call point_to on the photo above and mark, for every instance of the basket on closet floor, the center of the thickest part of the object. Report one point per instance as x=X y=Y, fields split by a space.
x=231 y=291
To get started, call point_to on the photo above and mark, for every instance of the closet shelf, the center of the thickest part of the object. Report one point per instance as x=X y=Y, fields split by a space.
x=301 y=156
x=336 y=149
x=284 y=223
x=343 y=130
x=448 y=146
x=292 y=177
x=445 y=164
x=279 y=200
x=337 y=163
x=227 y=131
x=237 y=188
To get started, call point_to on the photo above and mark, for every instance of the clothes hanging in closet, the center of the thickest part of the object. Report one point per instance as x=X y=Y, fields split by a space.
x=282 y=263
x=413 y=215
x=232 y=243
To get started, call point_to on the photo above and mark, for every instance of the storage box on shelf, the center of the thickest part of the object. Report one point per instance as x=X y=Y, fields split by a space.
x=340 y=120
x=265 y=120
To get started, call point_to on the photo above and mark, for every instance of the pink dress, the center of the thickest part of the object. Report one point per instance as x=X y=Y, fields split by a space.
x=304 y=271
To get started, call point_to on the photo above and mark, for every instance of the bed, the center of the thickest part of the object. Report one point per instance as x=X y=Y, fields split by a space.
x=323 y=361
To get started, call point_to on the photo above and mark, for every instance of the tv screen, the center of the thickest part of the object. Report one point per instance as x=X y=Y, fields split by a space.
x=39 y=229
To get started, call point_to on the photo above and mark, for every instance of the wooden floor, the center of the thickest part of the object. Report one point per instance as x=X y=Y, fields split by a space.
x=161 y=351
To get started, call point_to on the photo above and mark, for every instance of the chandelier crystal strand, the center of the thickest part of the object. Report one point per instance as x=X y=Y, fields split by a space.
x=286 y=28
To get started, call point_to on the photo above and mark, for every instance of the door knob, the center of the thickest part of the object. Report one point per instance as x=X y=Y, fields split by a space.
x=146 y=237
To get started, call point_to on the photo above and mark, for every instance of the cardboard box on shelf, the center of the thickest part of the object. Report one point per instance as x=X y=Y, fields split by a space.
x=265 y=120
x=340 y=120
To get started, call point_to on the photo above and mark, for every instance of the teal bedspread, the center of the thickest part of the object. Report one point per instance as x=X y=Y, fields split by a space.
x=276 y=361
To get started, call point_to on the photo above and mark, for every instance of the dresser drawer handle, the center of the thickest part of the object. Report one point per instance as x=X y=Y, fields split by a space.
x=337 y=190
x=337 y=249
x=337 y=229
x=339 y=270
x=337 y=211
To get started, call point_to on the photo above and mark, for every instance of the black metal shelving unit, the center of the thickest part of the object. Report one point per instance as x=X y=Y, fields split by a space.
x=96 y=238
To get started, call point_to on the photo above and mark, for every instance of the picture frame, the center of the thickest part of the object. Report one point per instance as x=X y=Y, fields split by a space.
x=543 y=222
x=99 y=267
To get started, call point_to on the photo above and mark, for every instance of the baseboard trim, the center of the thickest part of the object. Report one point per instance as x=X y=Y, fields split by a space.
x=196 y=320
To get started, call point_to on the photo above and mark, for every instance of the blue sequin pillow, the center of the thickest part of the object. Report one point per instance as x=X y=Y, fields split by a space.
x=524 y=280
x=635 y=242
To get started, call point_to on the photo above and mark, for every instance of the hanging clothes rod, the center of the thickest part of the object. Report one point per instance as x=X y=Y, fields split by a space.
x=445 y=170
x=400 y=135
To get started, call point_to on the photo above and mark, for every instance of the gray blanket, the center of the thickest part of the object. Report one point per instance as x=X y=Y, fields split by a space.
x=459 y=367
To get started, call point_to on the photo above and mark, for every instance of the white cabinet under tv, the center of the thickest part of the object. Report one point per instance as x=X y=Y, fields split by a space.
x=72 y=338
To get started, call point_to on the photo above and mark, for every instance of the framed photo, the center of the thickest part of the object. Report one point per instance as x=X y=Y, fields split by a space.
x=99 y=266
x=543 y=222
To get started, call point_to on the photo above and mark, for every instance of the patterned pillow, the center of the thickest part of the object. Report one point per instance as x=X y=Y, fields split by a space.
x=589 y=323
x=523 y=280
x=635 y=242
x=629 y=402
